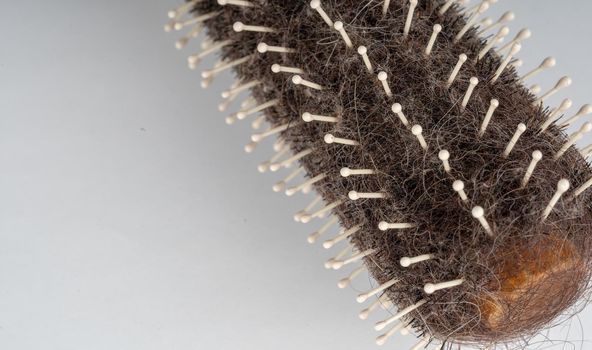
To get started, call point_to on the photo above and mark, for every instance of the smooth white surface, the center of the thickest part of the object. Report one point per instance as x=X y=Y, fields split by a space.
x=130 y=217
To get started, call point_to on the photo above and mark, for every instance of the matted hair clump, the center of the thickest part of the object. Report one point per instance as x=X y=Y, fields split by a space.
x=452 y=181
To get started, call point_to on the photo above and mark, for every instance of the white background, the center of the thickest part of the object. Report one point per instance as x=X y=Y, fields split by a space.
x=130 y=218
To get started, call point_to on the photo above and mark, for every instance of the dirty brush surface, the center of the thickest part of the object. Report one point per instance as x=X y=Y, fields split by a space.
x=518 y=278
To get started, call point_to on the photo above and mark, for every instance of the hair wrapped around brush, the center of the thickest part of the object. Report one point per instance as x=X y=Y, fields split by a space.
x=455 y=185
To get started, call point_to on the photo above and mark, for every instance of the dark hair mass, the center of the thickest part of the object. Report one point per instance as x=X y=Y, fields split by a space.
x=518 y=281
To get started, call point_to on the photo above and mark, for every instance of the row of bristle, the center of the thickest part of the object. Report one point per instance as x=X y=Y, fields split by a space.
x=316 y=209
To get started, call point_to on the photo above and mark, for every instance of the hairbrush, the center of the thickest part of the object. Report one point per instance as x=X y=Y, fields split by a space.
x=451 y=182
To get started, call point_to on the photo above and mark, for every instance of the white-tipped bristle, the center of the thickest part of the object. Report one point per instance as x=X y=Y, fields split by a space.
x=340 y=28
x=316 y=5
x=561 y=84
x=380 y=325
x=471 y=21
x=461 y=61
x=562 y=187
x=479 y=214
x=241 y=27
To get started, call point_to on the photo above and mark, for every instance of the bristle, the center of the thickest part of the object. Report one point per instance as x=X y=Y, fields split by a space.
x=237 y=89
x=330 y=139
x=340 y=28
x=346 y=172
x=547 y=63
x=407 y=261
x=298 y=80
x=286 y=163
x=363 y=315
x=556 y=113
x=518 y=39
x=584 y=110
x=431 y=288
x=505 y=18
x=573 y=138
x=422 y=343
x=195 y=20
x=316 y=4
x=292 y=190
x=381 y=339
x=363 y=51
x=279 y=186
x=264 y=167
x=493 y=105
x=484 y=6
x=380 y=325
x=219 y=69
x=183 y=9
x=385 y=6
x=479 y=214
x=194 y=60
x=331 y=263
x=341 y=236
x=503 y=32
x=446 y=6
x=459 y=187
x=515 y=49
x=472 y=84
x=344 y=282
x=243 y=3
x=241 y=27
x=364 y=296
x=383 y=225
x=263 y=48
x=444 y=156
x=307 y=117
x=312 y=238
x=561 y=84
x=354 y=258
x=519 y=131
x=398 y=110
x=383 y=78
x=276 y=68
x=193 y=33
x=328 y=208
x=562 y=187
x=412 y=6
x=536 y=157
x=461 y=60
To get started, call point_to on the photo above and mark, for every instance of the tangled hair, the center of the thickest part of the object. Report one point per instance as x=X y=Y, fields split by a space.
x=517 y=279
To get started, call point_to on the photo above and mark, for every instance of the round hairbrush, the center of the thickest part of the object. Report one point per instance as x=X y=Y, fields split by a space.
x=452 y=183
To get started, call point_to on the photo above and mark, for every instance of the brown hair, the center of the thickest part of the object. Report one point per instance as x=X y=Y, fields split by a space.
x=517 y=280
